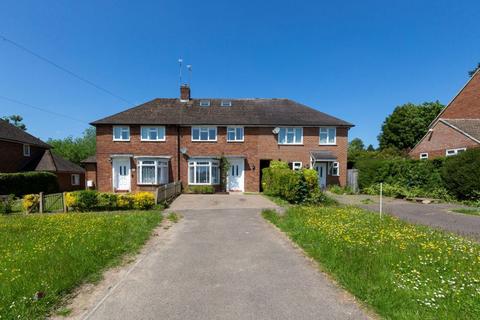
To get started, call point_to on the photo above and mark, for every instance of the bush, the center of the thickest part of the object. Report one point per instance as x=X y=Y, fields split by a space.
x=31 y=202
x=279 y=164
x=107 y=201
x=23 y=183
x=143 y=200
x=340 y=190
x=6 y=204
x=200 y=189
x=461 y=175
x=311 y=178
x=124 y=201
x=84 y=200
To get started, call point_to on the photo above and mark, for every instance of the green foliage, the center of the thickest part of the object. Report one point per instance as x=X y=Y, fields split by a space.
x=279 y=164
x=143 y=200
x=408 y=124
x=16 y=120
x=90 y=200
x=356 y=145
x=461 y=175
x=340 y=190
x=173 y=217
x=311 y=178
x=224 y=168
x=85 y=200
x=23 y=183
x=75 y=149
x=200 y=189
x=6 y=204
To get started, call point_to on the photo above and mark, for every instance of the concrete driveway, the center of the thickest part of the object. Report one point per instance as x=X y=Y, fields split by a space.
x=224 y=261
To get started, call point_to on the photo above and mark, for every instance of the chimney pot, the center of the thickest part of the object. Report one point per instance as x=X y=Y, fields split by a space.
x=184 y=92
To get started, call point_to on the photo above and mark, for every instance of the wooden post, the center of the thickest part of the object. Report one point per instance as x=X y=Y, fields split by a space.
x=381 y=199
x=156 y=195
x=64 y=198
x=40 y=203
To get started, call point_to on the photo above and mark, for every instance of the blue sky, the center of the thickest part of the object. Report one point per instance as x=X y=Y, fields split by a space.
x=356 y=60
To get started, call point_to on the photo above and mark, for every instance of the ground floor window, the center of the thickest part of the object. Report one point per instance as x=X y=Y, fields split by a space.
x=203 y=172
x=152 y=171
x=334 y=169
x=75 y=179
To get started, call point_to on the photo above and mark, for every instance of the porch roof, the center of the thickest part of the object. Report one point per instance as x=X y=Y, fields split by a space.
x=322 y=155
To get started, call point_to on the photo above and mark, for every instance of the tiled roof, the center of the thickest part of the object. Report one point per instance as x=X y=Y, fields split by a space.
x=11 y=133
x=91 y=159
x=322 y=155
x=55 y=163
x=469 y=126
x=255 y=112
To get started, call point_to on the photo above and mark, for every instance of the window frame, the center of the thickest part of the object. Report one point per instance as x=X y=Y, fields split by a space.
x=235 y=133
x=226 y=103
x=121 y=128
x=75 y=179
x=294 y=138
x=335 y=166
x=149 y=128
x=27 y=152
x=423 y=156
x=455 y=150
x=204 y=103
x=199 y=133
x=320 y=136
x=297 y=165
x=157 y=163
x=213 y=164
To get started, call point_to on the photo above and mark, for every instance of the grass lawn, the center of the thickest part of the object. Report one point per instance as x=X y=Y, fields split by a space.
x=471 y=211
x=51 y=254
x=402 y=270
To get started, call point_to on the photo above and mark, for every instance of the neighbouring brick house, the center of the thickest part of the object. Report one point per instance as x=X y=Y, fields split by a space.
x=166 y=140
x=456 y=128
x=20 y=152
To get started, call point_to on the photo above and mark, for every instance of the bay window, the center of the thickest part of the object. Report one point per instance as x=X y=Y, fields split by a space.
x=290 y=135
x=152 y=171
x=203 y=172
x=328 y=135
x=204 y=133
x=153 y=133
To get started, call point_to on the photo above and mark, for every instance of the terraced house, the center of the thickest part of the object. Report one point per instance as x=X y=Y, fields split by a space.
x=183 y=139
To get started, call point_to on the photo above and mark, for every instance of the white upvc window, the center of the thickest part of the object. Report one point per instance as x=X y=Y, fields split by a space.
x=26 y=150
x=328 y=135
x=454 y=152
x=204 y=133
x=335 y=169
x=290 y=135
x=121 y=133
x=152 y=133
x=75 y=179
x=296 y=165
x=152 y=171
x=203 y=172
x=235 y=134
x=423 y=156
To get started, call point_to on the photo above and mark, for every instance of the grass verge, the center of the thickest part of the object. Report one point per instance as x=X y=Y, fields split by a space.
x=470 y=211
x=403 y=271
x=43 y=257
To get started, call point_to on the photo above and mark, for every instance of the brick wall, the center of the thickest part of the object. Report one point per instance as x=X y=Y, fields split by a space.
x=12 y=158
x=259 y=143
x=65 y=182
x=442 y=138
x=91 y=174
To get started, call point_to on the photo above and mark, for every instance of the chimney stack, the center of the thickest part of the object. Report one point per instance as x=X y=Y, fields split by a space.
x=184 y=92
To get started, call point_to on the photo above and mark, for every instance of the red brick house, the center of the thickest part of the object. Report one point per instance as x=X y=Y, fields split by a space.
x=456 y=128
x=20 y=151
x=165 y=140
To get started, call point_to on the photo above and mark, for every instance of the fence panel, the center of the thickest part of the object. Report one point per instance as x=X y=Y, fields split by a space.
x=352 y=179
x=168 y=191
x=53 y=202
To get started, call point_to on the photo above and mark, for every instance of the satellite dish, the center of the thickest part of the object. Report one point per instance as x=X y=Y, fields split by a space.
x=183 y=150
x=276 y=130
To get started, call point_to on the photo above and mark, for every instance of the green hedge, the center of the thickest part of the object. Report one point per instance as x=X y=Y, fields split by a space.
x=91 y=200
x=23 y=183
x=461 y=175
x=200 y=189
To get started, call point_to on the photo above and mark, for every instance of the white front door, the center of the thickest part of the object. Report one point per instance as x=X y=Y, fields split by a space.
x=121 y=174
x=321 y=168
x=235 y=177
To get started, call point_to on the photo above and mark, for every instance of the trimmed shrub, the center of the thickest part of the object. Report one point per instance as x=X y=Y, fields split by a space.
x=107 y=201
x=311 y=178
x=7 y=204
x=200 y=189
x=84 y=200
x=23 y=183
x=461 y=175
x=279 y=164
x=31 y=202
x=125 y=201
x=143 y=200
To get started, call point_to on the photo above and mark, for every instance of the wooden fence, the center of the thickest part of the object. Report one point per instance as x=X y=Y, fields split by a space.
x=352 y=179
x=167 y=192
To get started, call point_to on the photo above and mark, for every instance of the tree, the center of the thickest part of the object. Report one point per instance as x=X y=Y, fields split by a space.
x=75 y=149
x=407 y=125
x=16 y=120
x=356 y=145
x=472 y=72
x=370 y=148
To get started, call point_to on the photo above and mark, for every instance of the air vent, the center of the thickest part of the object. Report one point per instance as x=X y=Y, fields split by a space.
x=204 y=103
x=226 y=103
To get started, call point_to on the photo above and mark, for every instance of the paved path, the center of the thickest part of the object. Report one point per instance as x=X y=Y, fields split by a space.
x=225 y=262
x=438 y=215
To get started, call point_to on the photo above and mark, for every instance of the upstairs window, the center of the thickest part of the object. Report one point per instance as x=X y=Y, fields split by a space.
x=204 y=103
x=121 y=133
x=235 y=134
x=226 y=103
x=423 y=156
x=454 y=152
x=328 y=135
x=290 y=136
x=204 y=133
x=26 y=150
x=153 y=133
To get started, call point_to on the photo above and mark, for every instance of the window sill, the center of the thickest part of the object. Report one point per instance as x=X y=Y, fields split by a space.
x=290 y=144
x=235 y=141
x=203 y=141
x=121 y=140
x=152 y=140
x=328 y=144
